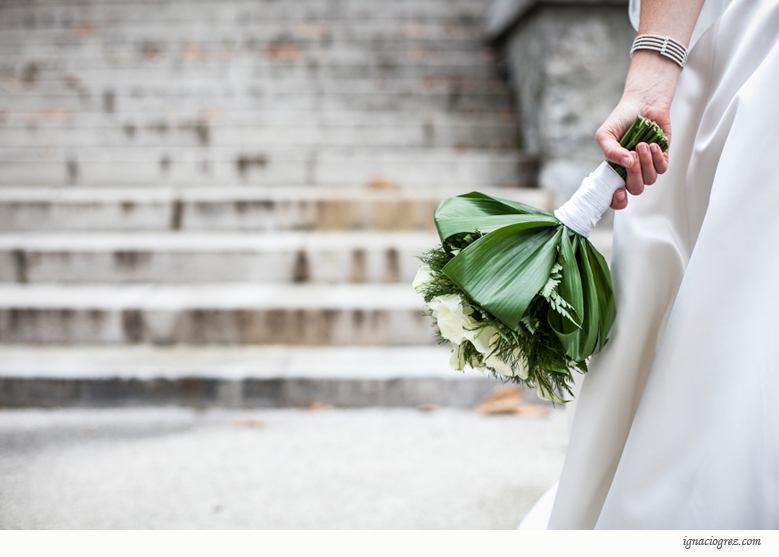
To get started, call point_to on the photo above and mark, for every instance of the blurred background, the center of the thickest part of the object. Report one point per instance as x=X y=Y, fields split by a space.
x=209 y=217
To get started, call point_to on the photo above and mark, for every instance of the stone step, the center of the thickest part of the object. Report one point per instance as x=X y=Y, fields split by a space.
x=344 y=26
x=33 y=59
x=238 y=314
x=241 y=376
x=192 y=122
x=86 y=33
x=177 y=49
x=116 y=14
x=245 y=314
x=211 y=167
x=363 y=314
x=192 y=4
x=195 y=258
x=283 y=41
x=448 y=98
x=195 y=5
x=164 y=121
x=200 y=132
x=309 y=71
x=169 y=85
x=267 y=210
x=210 y=258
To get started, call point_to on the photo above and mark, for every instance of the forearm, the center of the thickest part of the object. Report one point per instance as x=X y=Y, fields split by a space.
x=649 y=91
x=672 y=18
x=651 y=74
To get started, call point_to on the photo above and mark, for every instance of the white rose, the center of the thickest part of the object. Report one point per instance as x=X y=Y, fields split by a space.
x=478 y=364
x=424 y=276
x=452 y=317
x=482 y=338
x=504 y=369
x=457 y=359
x=523 y=368
x=499 y=366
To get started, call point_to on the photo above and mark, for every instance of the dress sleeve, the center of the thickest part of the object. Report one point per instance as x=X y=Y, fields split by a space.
x=711 y=10
x=634 y=11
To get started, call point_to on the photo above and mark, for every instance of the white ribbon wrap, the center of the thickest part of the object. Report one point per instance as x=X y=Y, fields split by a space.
x=585 y=208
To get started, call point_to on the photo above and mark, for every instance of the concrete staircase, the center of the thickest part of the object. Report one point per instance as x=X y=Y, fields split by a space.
x=196 y=193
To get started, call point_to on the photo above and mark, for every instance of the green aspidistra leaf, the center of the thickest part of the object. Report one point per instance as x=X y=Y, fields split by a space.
x=607 y=310
x=504 y=270
x=591 y=316
x=571 y=335
x=477 y=211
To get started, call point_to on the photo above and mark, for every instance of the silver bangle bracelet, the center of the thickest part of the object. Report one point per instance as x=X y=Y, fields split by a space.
x=664 y=45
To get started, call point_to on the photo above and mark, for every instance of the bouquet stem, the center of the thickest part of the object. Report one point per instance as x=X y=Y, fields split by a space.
x=641 y=130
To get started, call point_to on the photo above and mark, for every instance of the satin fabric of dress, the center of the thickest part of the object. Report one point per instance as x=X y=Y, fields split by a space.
x=675 y=425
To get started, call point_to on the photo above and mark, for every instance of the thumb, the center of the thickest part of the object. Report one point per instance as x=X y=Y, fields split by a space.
x=612 y=150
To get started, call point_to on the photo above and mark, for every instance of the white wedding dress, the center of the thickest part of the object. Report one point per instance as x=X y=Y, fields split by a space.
x=676 y=425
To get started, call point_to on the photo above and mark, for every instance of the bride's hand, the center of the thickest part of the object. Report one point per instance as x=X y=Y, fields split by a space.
x=646 y=162
x=649 y=91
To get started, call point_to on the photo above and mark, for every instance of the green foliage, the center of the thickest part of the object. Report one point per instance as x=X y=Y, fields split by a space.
x=556 y=302
x=532 y=346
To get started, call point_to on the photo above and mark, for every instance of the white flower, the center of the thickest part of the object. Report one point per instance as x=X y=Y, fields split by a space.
x=457 y=359
x=424 y=276
x=499 y=366
x=544 y=394
x=477 y=362
x=482 y=338
x=504 y=369
x=453 y=317
x=523 y=372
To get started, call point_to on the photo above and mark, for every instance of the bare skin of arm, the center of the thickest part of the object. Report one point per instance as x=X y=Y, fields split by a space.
x=649 y=90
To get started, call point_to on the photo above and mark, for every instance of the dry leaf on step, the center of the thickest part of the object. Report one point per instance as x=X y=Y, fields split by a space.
x=320 y=406
x=248 y=421
x=507 y=399
x=527 y=409
x=380 y=183
x=283 y=50
x=503 y=391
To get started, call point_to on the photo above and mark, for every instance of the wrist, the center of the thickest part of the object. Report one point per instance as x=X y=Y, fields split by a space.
x=653 y=76
x=668 y=47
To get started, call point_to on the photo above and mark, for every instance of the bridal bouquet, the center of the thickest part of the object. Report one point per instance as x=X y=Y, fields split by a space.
x=521 y=293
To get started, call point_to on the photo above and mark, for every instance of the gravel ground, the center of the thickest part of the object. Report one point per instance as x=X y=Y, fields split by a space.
x=274 y=469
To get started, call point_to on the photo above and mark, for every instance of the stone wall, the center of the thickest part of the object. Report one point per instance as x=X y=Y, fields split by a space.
x=567 y=63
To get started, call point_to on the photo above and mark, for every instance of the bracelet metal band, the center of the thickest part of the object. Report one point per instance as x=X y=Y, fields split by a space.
x=664 y=45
